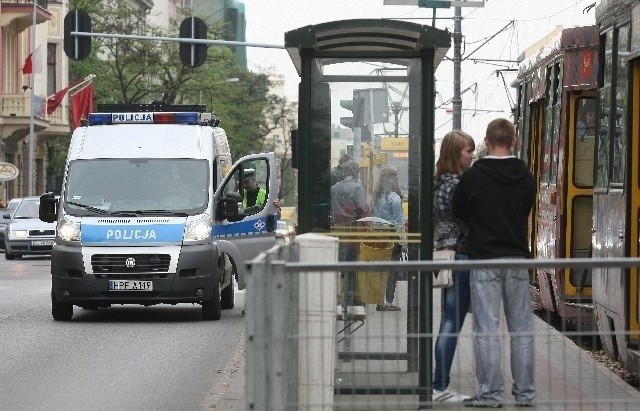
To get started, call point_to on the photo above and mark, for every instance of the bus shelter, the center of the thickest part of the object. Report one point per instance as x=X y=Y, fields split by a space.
x=367 y=90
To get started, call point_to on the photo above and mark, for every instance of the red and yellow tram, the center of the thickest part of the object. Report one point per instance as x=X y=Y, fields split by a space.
x=557 y=90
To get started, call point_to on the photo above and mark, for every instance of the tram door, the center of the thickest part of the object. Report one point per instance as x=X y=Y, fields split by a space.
x=579 y=190
x=537 y=121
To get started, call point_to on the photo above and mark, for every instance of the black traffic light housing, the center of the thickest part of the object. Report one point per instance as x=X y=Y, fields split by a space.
x=193 y=55
x=77 y=47
x=356 y=106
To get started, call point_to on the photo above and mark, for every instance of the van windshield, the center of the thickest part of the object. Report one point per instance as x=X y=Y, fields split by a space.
x=138 y=186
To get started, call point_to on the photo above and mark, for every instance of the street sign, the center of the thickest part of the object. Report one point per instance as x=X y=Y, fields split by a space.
x=379 y=159
x=8 y=171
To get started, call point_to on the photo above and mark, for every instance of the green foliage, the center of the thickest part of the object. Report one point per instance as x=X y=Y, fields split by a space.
x=141 y=71
x=57 y=155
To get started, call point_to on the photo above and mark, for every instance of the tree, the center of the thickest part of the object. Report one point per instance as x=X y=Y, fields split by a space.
x=281 y=119
x=141 y=71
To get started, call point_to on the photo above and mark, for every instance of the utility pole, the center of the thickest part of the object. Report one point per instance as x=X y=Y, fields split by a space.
x=457 y=63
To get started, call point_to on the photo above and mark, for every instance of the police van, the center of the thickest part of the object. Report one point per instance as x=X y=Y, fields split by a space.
x=151 y=212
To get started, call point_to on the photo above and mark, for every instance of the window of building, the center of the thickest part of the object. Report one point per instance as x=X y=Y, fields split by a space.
x=51 y=68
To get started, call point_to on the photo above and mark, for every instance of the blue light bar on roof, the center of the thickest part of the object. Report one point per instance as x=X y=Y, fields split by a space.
x=143 y=118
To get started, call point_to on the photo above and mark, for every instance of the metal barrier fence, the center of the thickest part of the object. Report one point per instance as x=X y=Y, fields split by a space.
x=305 y=351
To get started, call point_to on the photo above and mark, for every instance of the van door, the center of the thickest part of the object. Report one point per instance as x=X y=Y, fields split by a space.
x=245 y=216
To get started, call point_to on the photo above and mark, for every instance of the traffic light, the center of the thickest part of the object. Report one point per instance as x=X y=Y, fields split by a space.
x=77 y=47
x=356 y=106
x=193 y=55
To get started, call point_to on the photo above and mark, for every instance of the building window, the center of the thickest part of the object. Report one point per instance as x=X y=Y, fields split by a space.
x=51 y=68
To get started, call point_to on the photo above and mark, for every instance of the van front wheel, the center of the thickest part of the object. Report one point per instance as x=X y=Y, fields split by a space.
x=211 y=310
x=60 y=311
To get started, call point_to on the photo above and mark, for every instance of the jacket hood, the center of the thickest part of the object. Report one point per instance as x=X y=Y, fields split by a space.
x=507 y=171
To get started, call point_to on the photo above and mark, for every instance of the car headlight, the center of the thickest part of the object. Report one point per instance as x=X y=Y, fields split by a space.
x=198 y=230
x=18 y=234
x=68 y=231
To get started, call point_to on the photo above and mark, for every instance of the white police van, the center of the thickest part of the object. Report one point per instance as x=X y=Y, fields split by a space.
x=151 y=212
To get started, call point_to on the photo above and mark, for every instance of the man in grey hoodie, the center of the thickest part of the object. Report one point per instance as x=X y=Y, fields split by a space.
x=495 y=197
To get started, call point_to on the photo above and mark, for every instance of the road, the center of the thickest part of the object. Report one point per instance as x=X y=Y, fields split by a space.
x=123 y=357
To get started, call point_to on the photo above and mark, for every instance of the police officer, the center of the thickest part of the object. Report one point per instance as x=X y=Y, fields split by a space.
x=253 y=195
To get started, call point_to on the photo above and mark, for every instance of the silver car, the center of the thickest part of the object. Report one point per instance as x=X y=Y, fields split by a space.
x=26 y=234
x=5 y=216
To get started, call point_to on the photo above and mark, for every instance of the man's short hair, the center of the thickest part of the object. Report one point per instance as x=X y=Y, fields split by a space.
x=501 y=132
x=248 y=173
x=345 y=158
x=351 y=168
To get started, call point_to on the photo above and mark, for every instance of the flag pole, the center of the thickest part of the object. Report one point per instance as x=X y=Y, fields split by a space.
x=31 y=82
x=78 y=84
x=83 y=83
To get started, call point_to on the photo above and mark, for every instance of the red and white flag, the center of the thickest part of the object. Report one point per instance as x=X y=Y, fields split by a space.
x=33 y=62
x=81 y=105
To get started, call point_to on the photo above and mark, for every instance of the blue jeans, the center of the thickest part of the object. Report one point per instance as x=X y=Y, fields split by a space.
x=490 y=287
x=455 y=304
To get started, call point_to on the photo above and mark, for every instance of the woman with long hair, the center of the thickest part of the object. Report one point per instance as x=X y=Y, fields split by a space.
x=450 y=233
x=386 y=203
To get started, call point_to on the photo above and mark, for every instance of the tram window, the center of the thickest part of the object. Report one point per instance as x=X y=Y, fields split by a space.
x=557 y=92
x=604 y=96
x=581 y=223
x=549 y=128
x=618 y=161
x=585 y=133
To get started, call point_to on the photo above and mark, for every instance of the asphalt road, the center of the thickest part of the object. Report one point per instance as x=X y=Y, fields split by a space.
x=123 y=357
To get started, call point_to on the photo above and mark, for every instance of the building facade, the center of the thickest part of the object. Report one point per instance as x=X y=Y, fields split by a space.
x=30 y=30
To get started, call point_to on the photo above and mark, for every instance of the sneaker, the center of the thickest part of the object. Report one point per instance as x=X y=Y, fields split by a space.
x=524 y=403
x=481 y=403
x=448 y=395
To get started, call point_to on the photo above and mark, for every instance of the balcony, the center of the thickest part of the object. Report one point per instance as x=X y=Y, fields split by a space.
x=15 y=117
x=19 y=13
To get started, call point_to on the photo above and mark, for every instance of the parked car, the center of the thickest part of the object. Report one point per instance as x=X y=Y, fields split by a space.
x=5 y=216
x=26 y=234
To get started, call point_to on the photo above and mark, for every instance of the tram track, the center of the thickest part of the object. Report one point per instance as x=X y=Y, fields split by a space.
x=594 y=349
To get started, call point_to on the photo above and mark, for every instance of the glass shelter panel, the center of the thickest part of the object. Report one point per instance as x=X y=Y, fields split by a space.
x=366 y=132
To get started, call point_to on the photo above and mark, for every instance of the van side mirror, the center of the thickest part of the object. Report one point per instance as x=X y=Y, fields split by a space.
x=227 y=207
x=48 y=211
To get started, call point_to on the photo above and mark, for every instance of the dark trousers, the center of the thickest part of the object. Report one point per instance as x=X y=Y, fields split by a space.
x=348 y=252
x=395 y=275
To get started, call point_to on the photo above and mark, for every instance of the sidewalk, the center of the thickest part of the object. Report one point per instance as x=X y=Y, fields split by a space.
x=566 y=376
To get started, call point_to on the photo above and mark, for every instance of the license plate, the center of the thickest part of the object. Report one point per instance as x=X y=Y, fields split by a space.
x=130 y=285
x=42 y=242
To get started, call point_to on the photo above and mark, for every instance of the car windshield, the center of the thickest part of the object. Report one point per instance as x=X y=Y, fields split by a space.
x=27 y=209
x=137 y=186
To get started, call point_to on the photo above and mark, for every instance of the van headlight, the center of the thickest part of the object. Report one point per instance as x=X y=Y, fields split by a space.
x=68 y=230
x=198 y=230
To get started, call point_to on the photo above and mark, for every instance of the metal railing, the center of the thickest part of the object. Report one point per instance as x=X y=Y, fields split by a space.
x=296 y=357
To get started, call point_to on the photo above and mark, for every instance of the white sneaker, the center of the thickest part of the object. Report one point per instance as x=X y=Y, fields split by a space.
x=448 y=395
